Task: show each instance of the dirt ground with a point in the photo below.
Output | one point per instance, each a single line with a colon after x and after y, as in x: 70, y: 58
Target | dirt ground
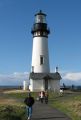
x: 4, y: 99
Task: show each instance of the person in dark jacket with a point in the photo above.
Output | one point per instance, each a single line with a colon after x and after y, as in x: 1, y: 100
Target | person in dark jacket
x: 46, y: 97
x: 29, y: 101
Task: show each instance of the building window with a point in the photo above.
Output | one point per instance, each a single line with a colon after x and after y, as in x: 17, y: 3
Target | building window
x: 45, y: 33
x: 41, y: 60
x: 38, y: 33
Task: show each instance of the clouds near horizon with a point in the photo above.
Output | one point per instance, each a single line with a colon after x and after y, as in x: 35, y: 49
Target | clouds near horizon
x: 17, y: 78
x: 74, y: 76
x: 71, y: 78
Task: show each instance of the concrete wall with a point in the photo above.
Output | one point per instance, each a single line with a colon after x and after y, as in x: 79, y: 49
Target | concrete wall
x: 54, y: 85
x: 40, y: 47
x: 38, y: 85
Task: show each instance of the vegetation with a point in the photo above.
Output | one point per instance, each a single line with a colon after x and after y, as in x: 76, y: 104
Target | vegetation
x: 20, y: 95
x: 69, y: 103
x: 12, y: 106
x: 10, y: 112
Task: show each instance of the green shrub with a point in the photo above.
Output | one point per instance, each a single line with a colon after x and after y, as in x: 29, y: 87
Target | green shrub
x: 12, y: 113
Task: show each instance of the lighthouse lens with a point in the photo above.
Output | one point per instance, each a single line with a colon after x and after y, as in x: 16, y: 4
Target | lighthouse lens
x: 40, y: 19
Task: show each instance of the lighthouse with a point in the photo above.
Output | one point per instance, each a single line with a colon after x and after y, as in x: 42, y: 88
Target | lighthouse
x: 40, y: 56
x: 40, y: 76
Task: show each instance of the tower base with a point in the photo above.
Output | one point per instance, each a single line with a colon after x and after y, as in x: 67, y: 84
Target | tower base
x: 43, y: 82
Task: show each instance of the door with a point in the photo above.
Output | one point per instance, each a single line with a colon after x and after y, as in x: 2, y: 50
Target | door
x: 46, y: 84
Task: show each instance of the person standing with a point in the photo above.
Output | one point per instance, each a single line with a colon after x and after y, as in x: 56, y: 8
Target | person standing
x: 29, y: 101
x: 46, y: 97
x: 42, y: 96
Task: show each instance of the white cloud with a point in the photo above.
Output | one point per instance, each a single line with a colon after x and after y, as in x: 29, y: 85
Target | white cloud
x: 17, y: 78
x: 14, y: 79
x: 72, y: 76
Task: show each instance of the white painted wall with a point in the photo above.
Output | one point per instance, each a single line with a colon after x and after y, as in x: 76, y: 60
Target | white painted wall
x: 40, y: 47
x: 24, y: 85
x: 55, y: 85
x: 36, y: 85
x: 31, y: 85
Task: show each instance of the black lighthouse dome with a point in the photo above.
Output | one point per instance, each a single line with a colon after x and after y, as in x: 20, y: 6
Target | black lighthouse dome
x: 40, y: 26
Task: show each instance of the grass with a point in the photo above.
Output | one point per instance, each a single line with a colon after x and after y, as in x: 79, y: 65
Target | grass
x: 70, y: 104
x: 12, y: 106
x: 21, y: 95
x: 11, y: 112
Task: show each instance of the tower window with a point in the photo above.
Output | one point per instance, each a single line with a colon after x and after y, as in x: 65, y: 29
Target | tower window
x: 38, y: 33
x: 44, y: 33
x: 41, y: 60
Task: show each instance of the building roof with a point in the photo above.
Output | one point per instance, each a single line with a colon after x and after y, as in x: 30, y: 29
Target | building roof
x: 39, y: 76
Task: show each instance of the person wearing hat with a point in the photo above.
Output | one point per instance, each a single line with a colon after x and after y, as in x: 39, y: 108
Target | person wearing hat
x: 29, y: 101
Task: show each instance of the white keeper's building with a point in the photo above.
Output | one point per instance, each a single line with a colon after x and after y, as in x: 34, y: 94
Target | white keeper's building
x: 40, y: 77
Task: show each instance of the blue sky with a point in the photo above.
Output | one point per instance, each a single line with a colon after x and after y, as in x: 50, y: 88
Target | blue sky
x: 16, y: 20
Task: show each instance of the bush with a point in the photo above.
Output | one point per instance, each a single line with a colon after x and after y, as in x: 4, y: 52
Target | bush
x: 12, y: 113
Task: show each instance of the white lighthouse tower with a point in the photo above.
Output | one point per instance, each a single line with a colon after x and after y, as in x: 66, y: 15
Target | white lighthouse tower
x: 40, y: 76
x: 40, y: 56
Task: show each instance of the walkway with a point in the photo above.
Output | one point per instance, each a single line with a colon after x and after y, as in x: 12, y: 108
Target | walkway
x: 41, y: 111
